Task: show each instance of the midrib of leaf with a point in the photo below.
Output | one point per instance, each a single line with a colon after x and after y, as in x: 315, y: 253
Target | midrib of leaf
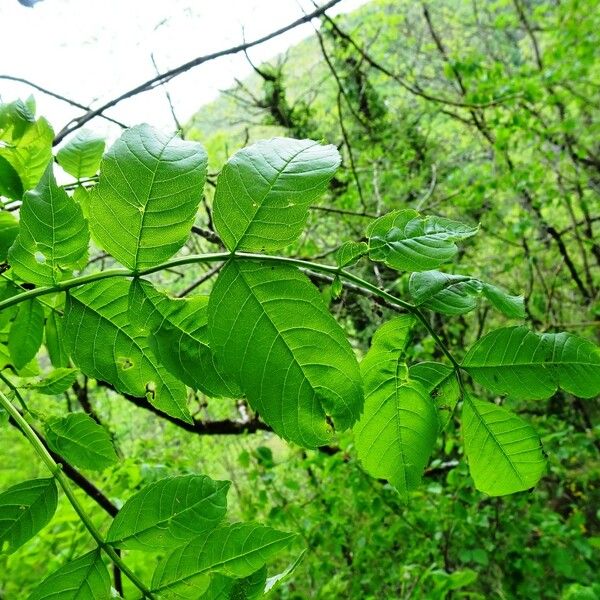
x: 154, y: 171
x: 24, y: 514
x: 491, y: 434
x: 218, y: 565
x: 397, y: 387
x: 260, y: 205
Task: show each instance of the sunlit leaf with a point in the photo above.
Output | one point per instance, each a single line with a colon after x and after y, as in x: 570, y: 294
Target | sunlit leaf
x: 81, y: 155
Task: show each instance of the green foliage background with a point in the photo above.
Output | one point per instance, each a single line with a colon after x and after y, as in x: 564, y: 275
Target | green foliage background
x: 492, y: 117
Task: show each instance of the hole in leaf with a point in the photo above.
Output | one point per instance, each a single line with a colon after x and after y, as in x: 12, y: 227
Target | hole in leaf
x: 125, y: 363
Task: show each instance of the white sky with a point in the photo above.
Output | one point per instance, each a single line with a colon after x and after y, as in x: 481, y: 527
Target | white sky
x: 91, y: 51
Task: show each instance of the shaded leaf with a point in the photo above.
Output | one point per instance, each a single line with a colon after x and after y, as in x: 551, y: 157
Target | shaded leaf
x: 504, y: 452
x: 82, y: 441
x: 397, y: 431
x: 406, y: 241
x: 10, y: 182
x: 458, y: 294
x: 169, y: 512
x: 54, y: 339
x: 53, y: 235
x: 178, y: 334
x: 26, y: 332
x: 150, y: 186
x: 81, y: 155
x: 271, y: 330
x: 440, y: 381
x: 9, y: 229
x: 57, y: 382
x: 25, y: 509
x: 350, y: 252
x: 85, y: 578
x: 264, y: 192
x: 105, y: 345
x: 532, y: 366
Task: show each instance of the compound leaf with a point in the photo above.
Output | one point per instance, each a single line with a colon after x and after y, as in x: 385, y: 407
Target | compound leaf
x: 236, y: 551
x: 105, y: 345
x: 82, y: 441
x: 169, y: 512
x: 531, y: 366
x: 270, y: 330
x: 265, y: 190
x: 504, y: 452
x: 53, y: 235
x: 82, y: 154
x: 144, y: 205
x: 25, y: 509
x: 85, y: 578
x: 406, y: 241
x: 396, y: 434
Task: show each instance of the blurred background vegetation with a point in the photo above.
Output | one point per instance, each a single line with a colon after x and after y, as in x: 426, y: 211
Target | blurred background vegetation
x: 484, y: 111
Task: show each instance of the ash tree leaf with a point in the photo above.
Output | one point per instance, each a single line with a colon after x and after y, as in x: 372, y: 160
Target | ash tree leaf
x: 264, y: 192
x: 57, y: 382
x: 105, y: 345
x: 53, y: 235
x: 504, y: 452
x: 407, y: 241
x: 25, y: 509
x: 440, y: 382
x: 85, y: 578
x: 82, y: 441
x: 178, y: 335
x: 10, y: 182
x: 169, y: 512
x: 9, y: 229
x: 27, y: 142
x: 271, y: 330
x: 273, y: 582
x: 349, y: 253
x: 26, y: 332
x: 458, y: 294
x: 397, y: 431
x: 228, y: 588
x: 236, y: 551
x: 82, y: 154
x: 531, y: 366
x: 145, y: 202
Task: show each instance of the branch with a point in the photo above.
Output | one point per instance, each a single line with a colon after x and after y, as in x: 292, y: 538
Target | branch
x: 168, y: 75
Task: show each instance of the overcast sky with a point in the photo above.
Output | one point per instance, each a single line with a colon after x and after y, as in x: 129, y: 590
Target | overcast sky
x: 91, y: 51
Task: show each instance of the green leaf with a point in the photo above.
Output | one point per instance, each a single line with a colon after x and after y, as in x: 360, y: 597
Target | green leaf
x: 144, y: 205
x: 57, y: 382
x: 54, y: 339
x: 237, y: 550
x: 457, y: 294
x: 85, y: 578
x: 169, y: 512
x: 227, y: 588
x: 105, y: 345
x: 82, y: 441
x: 178, y: 335
x: 53, y: 235
x: 406, y: 241
x: 275, y: 581
x: 9, y: 229
x: 264, y: 192
x: 10, y: 182
x: 397, y: 431
x: 27, y: 143
x: 504, y: 452
x: 440, y: 382
x: 25, y: 509
x: 81, y: 155
x: 26, y: 332
x: 271, y: 330
x: 349, y: 253
x: 531, y: 366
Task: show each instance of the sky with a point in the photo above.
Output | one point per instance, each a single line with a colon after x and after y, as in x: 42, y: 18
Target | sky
x: 91, y: 51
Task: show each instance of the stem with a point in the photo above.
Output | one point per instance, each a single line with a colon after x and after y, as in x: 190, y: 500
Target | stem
x: 223, y: 256
x: 57, y: 472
